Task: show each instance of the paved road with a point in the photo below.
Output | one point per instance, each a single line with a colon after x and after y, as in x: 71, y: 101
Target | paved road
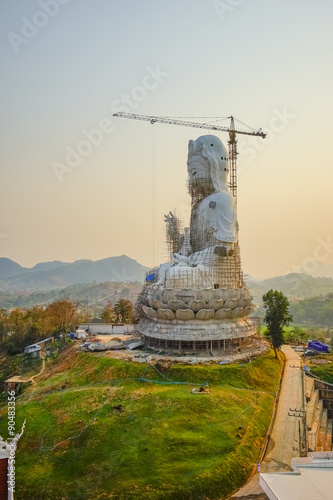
x: 283, y: 444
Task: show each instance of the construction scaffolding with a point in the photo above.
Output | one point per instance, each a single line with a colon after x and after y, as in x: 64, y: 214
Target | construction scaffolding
x: 174, y: 234
x: 192, y: 346
x: 212, y: 263
x: 218, y: 271
x: 199, y: 189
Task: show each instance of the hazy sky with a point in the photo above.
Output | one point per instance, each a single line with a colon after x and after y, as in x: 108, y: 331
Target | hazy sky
x: 67, y: 65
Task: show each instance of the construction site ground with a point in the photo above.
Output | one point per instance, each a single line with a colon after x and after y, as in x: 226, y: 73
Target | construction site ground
x: 244, y: 354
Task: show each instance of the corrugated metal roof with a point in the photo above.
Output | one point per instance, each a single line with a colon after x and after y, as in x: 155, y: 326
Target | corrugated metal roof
x: 40, y: 342
x: 32, y: 348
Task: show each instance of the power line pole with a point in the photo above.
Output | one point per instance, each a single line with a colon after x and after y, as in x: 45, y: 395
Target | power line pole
x: 301, y: 438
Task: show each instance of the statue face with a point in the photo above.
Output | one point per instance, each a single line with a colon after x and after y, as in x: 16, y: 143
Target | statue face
x: 207, y: 164
x: 198, y: 168
x: 199, y: 175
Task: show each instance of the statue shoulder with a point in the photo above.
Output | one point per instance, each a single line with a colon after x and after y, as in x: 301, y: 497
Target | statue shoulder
x: 218, y: 199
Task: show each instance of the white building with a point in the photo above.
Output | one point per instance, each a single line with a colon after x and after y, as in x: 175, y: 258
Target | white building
x: 80, y: 333
x: 311, y: 479
x: 33, y: 350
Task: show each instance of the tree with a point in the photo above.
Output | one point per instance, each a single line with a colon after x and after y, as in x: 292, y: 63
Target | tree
x: 61, y: 316
x: 124, y: 311
x: 108, y: 313
x: 35, y: 324
x: 277, y: 316
x: 16, y: 326
x: 3, y: 325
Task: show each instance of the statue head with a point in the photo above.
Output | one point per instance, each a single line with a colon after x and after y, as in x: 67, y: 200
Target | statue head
x: 207, y: 165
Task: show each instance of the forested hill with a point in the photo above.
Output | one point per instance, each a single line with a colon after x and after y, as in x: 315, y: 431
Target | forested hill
x: 294, y: 286
x: 318, y: 311
x: 56, y: 275
x: 93, y: 294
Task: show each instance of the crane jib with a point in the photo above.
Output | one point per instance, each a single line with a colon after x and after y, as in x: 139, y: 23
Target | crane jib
x: 171, y: 121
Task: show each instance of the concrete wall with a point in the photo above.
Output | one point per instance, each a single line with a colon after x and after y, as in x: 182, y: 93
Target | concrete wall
x: 107, y: 328
x: 326, y: 394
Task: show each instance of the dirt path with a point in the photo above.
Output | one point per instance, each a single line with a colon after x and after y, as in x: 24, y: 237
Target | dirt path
x: 32, y: 379
x: 284, y: 438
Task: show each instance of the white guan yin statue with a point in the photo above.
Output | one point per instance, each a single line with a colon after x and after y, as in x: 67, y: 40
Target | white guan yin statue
x: 214, y: 219
x: 203, y: 282
x: 213, y: 228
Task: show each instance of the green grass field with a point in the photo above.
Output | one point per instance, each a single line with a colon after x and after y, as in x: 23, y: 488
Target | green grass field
x: 323, y: 371
x: 125, y: 438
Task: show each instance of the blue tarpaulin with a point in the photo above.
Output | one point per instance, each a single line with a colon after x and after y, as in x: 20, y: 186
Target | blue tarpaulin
x: 318, y: 346
x: 150, y: 277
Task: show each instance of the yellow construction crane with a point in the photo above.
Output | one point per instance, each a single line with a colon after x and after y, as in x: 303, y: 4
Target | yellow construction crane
x: 232, y: 143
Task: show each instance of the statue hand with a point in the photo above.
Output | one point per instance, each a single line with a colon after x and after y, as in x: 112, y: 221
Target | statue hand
x: 170, y: 218
x: 179, y: 259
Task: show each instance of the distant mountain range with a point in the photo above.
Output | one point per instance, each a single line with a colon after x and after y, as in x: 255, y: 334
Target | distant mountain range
x: 89, y: 281
x: 55, y: 275
x: 322, y: 270
x: 294, y: 286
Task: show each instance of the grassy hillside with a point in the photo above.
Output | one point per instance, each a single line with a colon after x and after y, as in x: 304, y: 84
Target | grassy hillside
x: 322, y: 367
x: 96, y: 430
x: 325, y: 372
